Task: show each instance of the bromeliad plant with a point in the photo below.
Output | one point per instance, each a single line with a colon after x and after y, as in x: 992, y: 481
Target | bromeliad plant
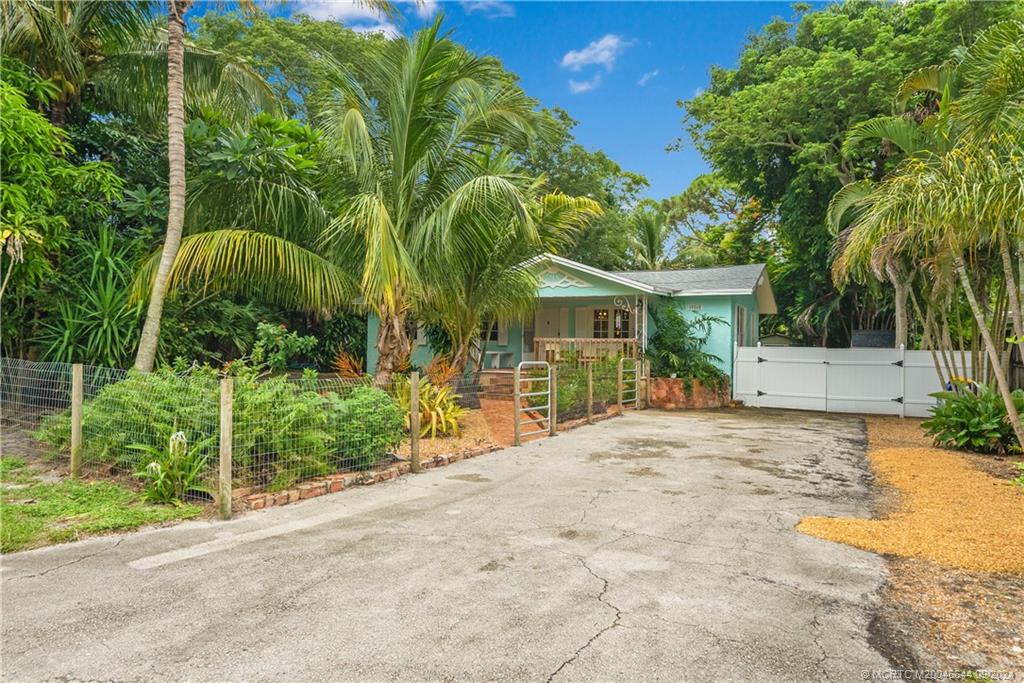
x: 439, y: 408
x: 973, y: 418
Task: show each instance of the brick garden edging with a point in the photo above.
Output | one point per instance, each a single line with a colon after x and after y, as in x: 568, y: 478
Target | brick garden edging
x: 334, y: 483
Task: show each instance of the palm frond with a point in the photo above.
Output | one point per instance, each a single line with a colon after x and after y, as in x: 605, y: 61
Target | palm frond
x: 267, y: 267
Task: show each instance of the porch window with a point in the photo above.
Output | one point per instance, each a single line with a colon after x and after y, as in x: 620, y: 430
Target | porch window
x: 601, y: 323
x: 622, y: 324
x: 489, y: 330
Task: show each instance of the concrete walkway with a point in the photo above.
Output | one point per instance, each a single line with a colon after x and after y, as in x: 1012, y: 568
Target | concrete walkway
x: 652, y: 546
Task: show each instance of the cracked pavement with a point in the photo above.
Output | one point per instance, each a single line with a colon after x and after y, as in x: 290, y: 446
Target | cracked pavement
x: 652, y: 546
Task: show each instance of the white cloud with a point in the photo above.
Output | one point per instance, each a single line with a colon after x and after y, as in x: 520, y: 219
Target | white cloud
x: 603, y: 51
x: 357, y: 16
x: 577, y: 87
x: 492, y: 9
x: 340, y: 10
x: 385, y: 28
x: 425, y: 9
x: 647, y: 77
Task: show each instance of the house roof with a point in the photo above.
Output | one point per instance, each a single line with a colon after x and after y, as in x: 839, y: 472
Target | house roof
x: 723, y: 280
x: 720, y: 280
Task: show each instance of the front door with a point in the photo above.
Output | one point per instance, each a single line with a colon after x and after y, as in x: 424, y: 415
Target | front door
x: 547, y: 323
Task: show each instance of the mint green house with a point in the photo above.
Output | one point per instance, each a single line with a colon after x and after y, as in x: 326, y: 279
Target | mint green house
x: 589, y: 313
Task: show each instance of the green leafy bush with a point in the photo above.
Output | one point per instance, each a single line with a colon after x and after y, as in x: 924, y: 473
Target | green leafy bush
x: 366, y: 425
x: 677, y: 347
x: 139, y: 409
x: 971, y: 421
x: 284, y: 430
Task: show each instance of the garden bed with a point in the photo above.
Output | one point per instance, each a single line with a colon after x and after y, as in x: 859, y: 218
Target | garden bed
x: 952, y: 530
x: 671, y: 393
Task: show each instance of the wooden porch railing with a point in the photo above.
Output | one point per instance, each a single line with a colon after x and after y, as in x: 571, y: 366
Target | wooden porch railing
x: 553, y: 349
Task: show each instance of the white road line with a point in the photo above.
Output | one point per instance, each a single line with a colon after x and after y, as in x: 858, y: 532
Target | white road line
x: 226, y: 543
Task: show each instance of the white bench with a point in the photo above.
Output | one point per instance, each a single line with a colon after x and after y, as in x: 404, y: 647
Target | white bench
x: 493, y: 359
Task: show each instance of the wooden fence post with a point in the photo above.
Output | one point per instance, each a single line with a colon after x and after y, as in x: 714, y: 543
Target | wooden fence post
x: 227, y: 392
x: 618, y: 383
x: 590, y: 392
x: 553, y: 400
x: 516, y: 400
x: 647, y: 383
x: 414, y: 421
x: 77, y: 398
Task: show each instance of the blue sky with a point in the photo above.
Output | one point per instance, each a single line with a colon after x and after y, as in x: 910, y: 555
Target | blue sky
x: 617, y: 67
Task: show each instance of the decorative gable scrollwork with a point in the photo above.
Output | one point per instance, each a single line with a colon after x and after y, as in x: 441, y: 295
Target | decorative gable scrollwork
x: 557, y: 279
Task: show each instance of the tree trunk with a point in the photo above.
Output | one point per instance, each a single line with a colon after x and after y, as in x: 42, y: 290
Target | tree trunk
x: 1016, y: 314
x: 901, y: 289
x: 993, y: 353
x: 393, y: 347
x: 176, y: 9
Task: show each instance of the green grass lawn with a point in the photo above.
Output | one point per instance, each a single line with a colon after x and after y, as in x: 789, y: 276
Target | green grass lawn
x: 35, y: 513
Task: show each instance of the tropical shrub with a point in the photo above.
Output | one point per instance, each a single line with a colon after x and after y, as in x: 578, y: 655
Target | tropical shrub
x: 348, y: 366
x: 365, y: 425
x: 173, y: 473
x: 284, y: 429
x: 275, y: 346
x: 677, y: 347
x: 973, y: 418
x: 440, y: 371
x: 139, y: 409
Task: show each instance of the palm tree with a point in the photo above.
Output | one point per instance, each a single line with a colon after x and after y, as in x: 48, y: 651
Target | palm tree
x: 65, y: 41
x: 259, y: 94
x: 408, y: 134
x: 651, y: 232
x: 958, y: 194
x: 491, y: 278
x: 416, y: 198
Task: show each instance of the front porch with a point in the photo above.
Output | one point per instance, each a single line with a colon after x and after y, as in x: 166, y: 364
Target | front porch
x: 582, y: 349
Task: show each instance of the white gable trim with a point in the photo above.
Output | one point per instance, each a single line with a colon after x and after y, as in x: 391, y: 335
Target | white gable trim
x: 596, y: 272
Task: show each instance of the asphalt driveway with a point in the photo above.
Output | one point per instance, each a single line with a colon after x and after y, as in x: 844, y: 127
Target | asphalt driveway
x: 652, y: 546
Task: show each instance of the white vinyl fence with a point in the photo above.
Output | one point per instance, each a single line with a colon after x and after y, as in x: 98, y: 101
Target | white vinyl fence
x: 877, y: 381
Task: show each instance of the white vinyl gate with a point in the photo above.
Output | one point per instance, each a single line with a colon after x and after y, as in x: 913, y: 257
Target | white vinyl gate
x: 877, y: 381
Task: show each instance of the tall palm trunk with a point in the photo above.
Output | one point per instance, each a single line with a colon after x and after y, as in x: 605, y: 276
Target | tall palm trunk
x: 990, y: 348
x: 393, y: 346
x: 1016, y: 314
x: 901, y: 287
x: 146, y: 355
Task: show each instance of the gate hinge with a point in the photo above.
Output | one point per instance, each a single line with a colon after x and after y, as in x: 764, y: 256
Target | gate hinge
x: 898, y: 399
x: 762, y: 393
x: 761, y: 360
x: 898, y: 363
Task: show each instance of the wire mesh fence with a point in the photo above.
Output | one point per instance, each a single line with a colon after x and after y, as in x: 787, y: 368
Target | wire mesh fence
x: 289, y: 429
x: 168, y: 425
x: 31, y: 391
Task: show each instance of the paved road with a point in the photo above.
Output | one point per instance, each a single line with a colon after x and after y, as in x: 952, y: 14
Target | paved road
x: 652, y: 546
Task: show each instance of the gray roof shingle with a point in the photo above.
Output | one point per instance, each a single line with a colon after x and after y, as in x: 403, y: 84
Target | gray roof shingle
x: 699, y: 280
